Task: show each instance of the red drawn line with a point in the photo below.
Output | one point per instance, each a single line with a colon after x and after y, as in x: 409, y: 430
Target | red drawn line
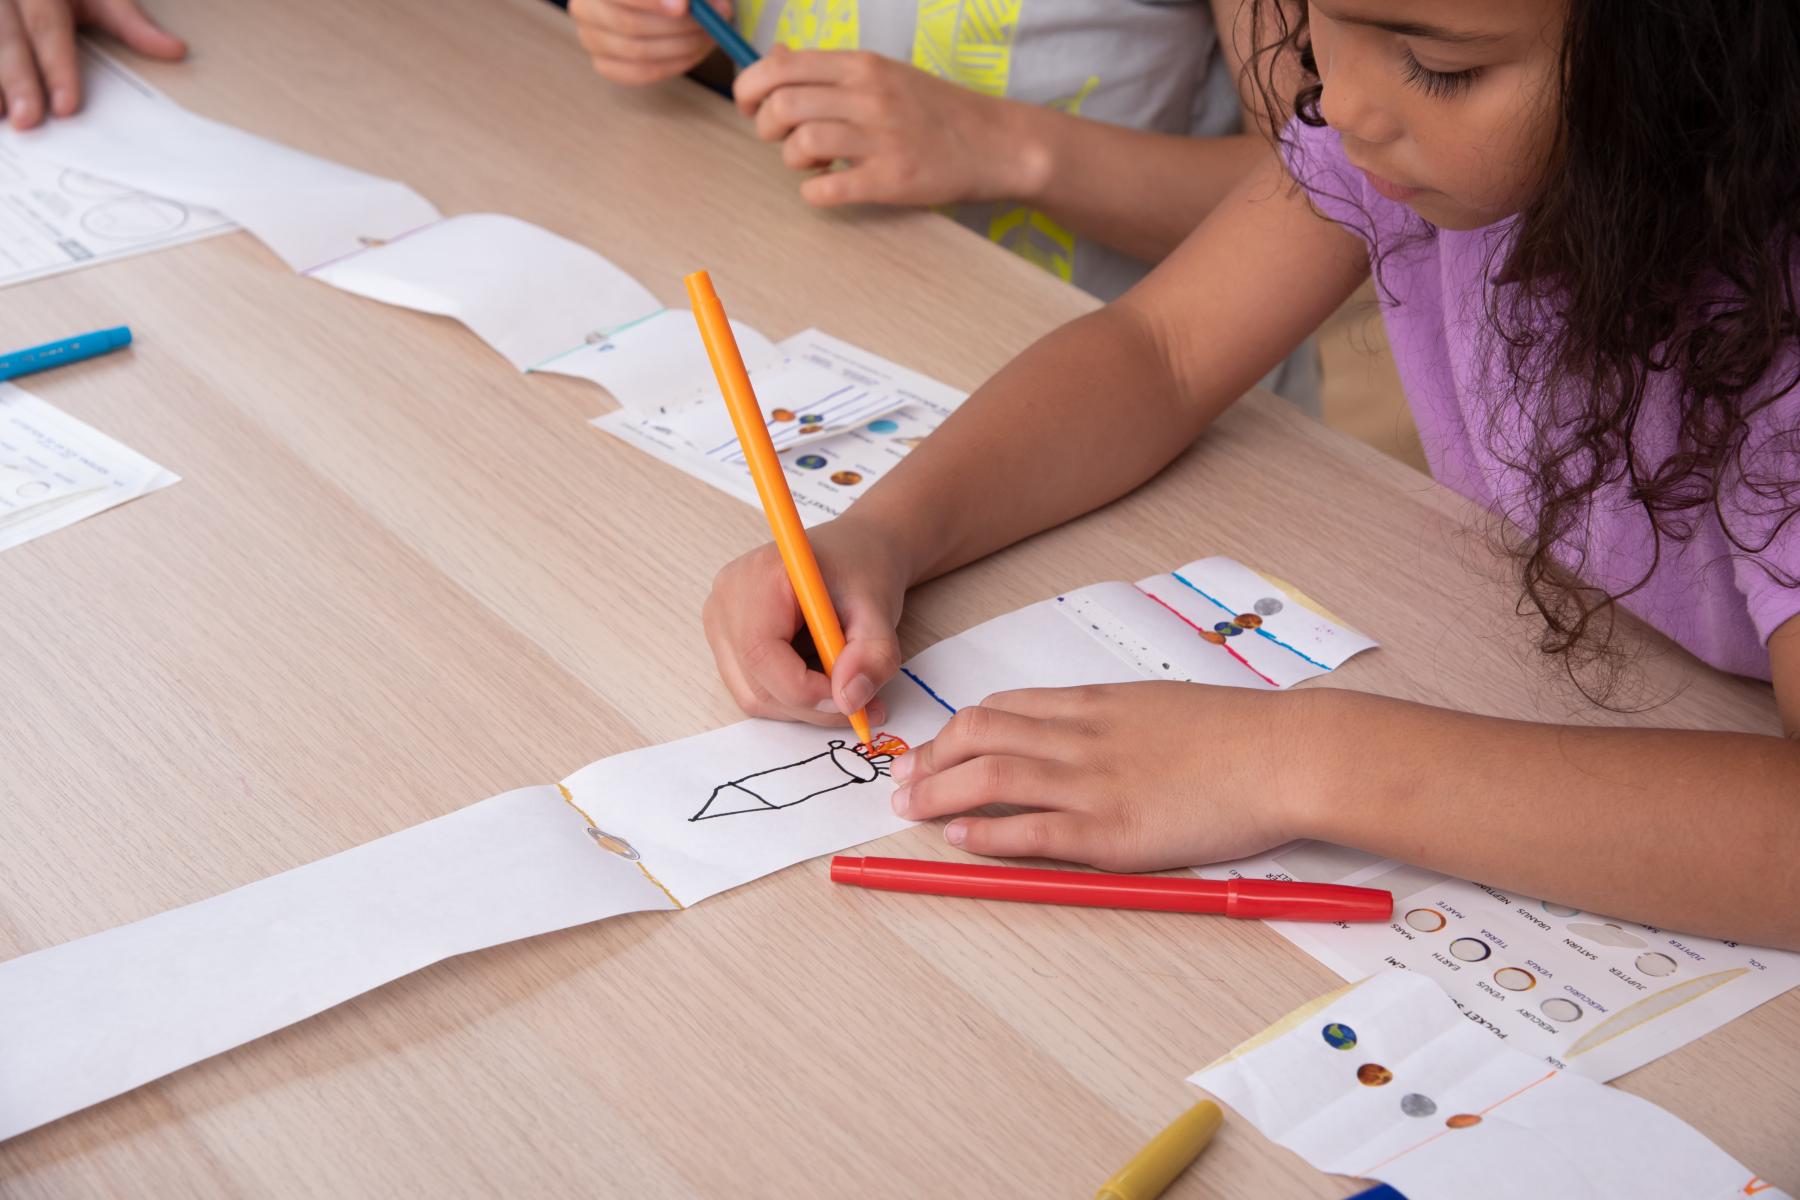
x: 1369, y: 1172
x: 1502, y: 1100
x: 1221, y: 645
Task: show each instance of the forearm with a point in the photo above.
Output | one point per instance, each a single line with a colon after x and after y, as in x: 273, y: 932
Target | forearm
x: 1691, y: 831
x: 1103, y: 403
x: 1082, y: 417
x: 1138, y: 193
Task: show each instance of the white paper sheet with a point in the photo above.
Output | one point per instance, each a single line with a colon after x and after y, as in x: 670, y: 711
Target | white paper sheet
x: 54, y: 219
x: 658, y: 364
x: 96, y: 1017
x: 307, y: 210
x: 652, y: 828
x: 1387, y: 1080
x: 840, y: 418
x: 54, y: 470
x: 526, y: 292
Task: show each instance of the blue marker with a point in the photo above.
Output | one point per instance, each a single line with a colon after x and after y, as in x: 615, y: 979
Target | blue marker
x: 719, y: 29
x: 69, y: 350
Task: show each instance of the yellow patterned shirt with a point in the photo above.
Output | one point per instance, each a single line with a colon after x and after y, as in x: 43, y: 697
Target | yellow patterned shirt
x: 1149, y: 66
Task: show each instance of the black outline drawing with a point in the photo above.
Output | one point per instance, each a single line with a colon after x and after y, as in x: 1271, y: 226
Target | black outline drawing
x: 839, y: 765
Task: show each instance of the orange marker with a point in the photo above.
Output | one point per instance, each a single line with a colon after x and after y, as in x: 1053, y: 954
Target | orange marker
x: 771, y: 483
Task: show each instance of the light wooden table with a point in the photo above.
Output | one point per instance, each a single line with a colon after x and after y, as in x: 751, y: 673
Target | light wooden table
x: 399, y: 577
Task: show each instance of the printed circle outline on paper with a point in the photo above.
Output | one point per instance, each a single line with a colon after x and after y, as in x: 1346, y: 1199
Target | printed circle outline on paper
x: 1469, y: 949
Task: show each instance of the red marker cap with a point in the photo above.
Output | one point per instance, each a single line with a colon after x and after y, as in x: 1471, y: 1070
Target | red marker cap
x: 1254, y: 899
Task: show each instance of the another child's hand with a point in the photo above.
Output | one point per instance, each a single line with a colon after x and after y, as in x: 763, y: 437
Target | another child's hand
x: 1128, y: 777
x: 909, y: 137
x: 40, y: 68
x: 751, y: 620
x: 642, y: 41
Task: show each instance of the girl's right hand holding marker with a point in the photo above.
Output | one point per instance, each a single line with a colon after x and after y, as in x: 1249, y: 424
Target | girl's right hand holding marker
x: 752, y: 619
x: 642, y: 41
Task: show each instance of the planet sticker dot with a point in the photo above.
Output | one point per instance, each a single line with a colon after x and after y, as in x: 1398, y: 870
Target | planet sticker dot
x: 811, y: 419
x: 1217, y: 639
x: 1415, y: 1105
x: 1463, y: 1121
x: 1268, y: 606
x: 812, y: 429
x: 846, y: 478
x: 1248, y: 620
x: 1228, y: 629
x: 781, y: 414
x: 883, y: 426
x: 1373, y: 1075
x: 811, y: 462
x: 1339, y: 1037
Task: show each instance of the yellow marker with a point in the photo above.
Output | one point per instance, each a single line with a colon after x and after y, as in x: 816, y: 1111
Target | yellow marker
x: 1155, y: 1167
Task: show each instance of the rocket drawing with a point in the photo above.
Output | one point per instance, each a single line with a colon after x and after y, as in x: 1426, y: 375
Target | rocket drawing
x: 838, y: 766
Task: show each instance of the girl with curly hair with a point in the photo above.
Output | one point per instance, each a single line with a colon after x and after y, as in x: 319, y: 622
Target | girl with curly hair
x: 1581, y: 220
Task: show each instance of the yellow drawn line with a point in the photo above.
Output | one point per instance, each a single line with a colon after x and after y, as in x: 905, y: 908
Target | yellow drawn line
x: 569, y: 799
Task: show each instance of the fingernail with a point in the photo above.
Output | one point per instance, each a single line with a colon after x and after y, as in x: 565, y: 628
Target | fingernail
x: 902, y: 796
x: 827, y: 705
x: 858, y: 692
x: 955, y: 832
x: 902, y: 770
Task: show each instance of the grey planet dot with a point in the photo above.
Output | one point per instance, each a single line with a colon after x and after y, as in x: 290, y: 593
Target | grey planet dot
x: 1268, y: 606
x: 1415, y: 1105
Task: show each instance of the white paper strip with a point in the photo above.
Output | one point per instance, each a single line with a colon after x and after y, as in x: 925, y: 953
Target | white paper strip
x: 659, y: 363
x: 647, y: 829
x: 526, y: 292
x: 96, y: 1017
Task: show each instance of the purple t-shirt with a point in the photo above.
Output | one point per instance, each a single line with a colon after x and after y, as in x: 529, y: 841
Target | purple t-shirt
x: 1716, y: 600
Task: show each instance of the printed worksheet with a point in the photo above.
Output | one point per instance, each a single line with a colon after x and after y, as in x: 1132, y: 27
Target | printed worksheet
x: 55, y: 470
x: 1592, y: 993
x: 55, y: 219
x: 1386, y: 1080
x: 839, y: 416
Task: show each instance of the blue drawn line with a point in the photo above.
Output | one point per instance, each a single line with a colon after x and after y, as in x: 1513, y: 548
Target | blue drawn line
x: 928, y: 690
x: 1181, y: 579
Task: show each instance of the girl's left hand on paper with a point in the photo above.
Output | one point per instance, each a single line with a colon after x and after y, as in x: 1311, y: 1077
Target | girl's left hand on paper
x: 1126, y: 777
x: 40, y: 67
x: 908, y: 137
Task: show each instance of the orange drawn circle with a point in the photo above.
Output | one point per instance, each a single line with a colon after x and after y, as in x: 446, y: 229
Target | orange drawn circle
x: 1463, y: 1121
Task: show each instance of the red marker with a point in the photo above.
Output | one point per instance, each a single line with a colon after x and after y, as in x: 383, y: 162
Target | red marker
x: 1257, y: 899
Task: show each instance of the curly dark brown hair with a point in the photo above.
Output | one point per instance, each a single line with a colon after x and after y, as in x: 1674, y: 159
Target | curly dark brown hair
x: 1661, y: 243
